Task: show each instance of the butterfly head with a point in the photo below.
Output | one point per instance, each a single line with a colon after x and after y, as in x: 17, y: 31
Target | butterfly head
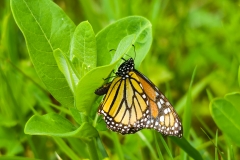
x: 125, y: 68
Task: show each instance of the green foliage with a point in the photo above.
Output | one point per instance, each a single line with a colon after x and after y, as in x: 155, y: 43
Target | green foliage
x: 109, y: 38
x: 50, y: 68
x: 46, y: 28
x: 83, y: 48
x: 84, y: 97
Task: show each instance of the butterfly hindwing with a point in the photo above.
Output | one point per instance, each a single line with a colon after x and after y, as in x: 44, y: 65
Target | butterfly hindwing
x: 163, y: 117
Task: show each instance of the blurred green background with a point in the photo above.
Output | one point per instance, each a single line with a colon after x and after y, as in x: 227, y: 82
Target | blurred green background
x: 186, y: 34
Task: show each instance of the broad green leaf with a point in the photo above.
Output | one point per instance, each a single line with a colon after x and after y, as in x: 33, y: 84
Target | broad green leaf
x: 56, y: 125
x: 234, y: 98
x: 83, y: 47
x: 85, y: 96
x: 45, y: 28
x: 110, y: 37
x: 66, y: 68
x: 226, y: 116
x: 49, y: 124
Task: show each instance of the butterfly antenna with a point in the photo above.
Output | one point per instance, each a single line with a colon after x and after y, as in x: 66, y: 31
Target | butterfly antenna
x: 124, y: 59
x: 112, y: 50
x: 126, y: 55
x: 134, y: 51
x: 130, y: 56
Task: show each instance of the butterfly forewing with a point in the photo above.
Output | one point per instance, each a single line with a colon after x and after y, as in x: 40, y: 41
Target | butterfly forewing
x: 125, y: 111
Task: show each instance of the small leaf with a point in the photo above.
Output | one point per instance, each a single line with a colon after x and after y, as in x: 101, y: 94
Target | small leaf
x: 50, y: 124
x: 45, y: 28
x: 66, y: 68
x: 226, y: 116
x: 109, y: 38
x: 85, y: 96
x: 83, y: 47
x: 56, y: 125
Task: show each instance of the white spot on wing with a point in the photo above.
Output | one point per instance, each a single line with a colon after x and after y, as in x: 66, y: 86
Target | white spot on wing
x: 161, y: 118
x: 169, y: 110
x: 166, y: 111
x: 159, y: 105
x: 176, y: 125
x: 161, y: 100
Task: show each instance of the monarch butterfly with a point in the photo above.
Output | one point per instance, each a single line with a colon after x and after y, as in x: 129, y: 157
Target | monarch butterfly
x: 132, y: 102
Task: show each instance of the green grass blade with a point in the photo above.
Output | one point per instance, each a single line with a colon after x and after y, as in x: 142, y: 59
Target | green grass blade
x: 216, y: 146
x: 187, y: 116
x: 187, y: 147
x: 65, y: 148
x: 166, y: 147
x: 145, y: 140
x: 117, y: 146
x: 188, y: 109
x: 158, y: 148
